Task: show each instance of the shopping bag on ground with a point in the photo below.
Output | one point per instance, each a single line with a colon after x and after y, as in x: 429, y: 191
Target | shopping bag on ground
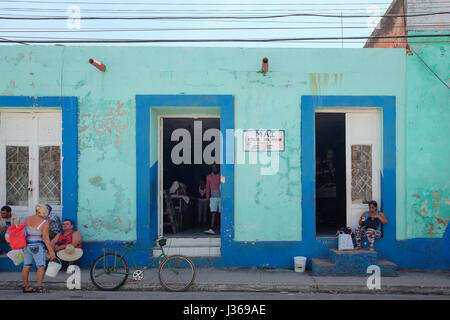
x: 16, y: 256
x: 345, y: 242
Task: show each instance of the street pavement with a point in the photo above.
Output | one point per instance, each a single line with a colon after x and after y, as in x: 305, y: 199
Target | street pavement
x: 264, y: 280
x: 197, y: 296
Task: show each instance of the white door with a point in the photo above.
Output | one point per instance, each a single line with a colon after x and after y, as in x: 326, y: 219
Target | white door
x: 30, y: 160
x: 362, y: 163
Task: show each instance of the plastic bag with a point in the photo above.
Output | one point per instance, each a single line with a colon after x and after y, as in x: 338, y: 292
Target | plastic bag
x: 345, y: 242
x: 16, y: 256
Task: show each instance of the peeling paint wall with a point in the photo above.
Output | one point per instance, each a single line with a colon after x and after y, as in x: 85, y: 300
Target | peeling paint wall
x: 428, y: 144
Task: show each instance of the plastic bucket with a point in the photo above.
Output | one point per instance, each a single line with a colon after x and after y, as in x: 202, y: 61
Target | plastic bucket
x: 299, y: 264
x: 53, y: 268
x: 16, y: 256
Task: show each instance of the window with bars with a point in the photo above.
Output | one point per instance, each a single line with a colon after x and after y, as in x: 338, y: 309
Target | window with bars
x: 361, y: 173
x: 17, y: 172
x: 50, y: 174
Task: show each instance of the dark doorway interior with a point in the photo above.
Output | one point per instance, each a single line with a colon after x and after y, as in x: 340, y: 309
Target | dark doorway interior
x: 330, y: 173
x: 189, y: 175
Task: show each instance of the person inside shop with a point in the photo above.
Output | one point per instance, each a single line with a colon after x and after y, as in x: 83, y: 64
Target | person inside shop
x: 213, y: 195
x: 202, y: 202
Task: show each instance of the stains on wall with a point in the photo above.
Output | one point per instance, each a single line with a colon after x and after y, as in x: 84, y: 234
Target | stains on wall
x: 80, y: 84
x: 431, y: 212
x: 9, y: 90
x: 320, y: 81
x: 98, y: 182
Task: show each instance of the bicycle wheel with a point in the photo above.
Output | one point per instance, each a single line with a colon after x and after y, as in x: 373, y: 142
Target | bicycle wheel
x: 177, y: 273
x: 109, y: 272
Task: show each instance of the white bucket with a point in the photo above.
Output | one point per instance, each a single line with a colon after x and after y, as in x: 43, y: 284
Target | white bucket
x: 16, y: 256
x: 52, y: 269
x: 299, y: 264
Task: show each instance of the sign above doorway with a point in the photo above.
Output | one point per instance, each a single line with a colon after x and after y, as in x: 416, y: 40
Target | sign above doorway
x: 264, y: 140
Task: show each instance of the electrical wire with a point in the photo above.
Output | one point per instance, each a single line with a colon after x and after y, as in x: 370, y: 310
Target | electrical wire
x: 33, y: 30
x: 225, y: 17
x: 106, y: 10
x: 429, y: 68
x: 199, y: 4
x: 228, y: 40
x: 251, y: 10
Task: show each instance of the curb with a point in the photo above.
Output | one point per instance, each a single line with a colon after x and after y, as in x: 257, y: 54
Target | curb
x: 281, y: 288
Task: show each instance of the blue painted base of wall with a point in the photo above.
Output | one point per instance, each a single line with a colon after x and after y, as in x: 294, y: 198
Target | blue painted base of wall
x: 427, y: 254
x: 7, y: 265
x: 351, y: 262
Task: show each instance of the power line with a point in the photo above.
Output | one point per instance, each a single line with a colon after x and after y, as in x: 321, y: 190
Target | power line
x: 325, y: 40
x: 192, y: 29
x: 200, y: 4
x: 230, y: 40
x: 226, y: 17
x: 429, y: 68
x: 186, y: 10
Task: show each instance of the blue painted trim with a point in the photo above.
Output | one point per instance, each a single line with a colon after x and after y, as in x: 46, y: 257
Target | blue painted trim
x: 388, y: 181
x: 147, y: 176
x: 69, y: 107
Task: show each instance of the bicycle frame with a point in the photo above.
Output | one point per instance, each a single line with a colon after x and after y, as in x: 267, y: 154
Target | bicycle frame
x: 130, y: 250
x: 116, y: 265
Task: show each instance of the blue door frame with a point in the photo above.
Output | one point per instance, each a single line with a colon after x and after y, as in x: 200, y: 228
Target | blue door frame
x: 147, y: 173
x: 388, y: 177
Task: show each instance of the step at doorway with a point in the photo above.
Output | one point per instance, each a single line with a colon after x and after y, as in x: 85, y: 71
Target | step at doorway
x: 192, y: 247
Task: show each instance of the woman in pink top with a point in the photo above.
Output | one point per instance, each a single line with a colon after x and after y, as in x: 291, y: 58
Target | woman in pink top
x: 213, y: 194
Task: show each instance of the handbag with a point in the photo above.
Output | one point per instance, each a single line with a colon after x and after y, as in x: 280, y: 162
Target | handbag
x: 345, y: 242
x: 17, y: 236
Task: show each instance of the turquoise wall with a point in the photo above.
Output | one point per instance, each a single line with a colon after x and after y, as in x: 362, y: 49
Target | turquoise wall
x: 267, y: 207
x: 428, y: 144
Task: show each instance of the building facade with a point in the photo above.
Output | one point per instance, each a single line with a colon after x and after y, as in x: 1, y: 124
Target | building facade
x: 93, y: 145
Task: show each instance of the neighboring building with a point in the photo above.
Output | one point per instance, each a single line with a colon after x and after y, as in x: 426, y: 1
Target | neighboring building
x: 348, y: 125
x: 392, y: 24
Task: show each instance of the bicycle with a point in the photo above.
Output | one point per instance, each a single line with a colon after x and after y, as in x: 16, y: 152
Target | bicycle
x: 110, y: 271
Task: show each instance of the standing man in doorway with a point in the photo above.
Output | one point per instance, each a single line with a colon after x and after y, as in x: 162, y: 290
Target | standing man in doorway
x: 213, y: 195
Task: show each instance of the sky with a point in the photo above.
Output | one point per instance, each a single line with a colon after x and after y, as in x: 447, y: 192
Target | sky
x: 245, y: 20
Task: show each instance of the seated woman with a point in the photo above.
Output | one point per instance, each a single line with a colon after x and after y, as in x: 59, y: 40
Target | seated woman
x: 370, y: 225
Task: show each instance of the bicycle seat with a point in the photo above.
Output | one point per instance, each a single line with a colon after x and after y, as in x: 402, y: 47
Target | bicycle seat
x: 129, y: 243
x: 161, y: 241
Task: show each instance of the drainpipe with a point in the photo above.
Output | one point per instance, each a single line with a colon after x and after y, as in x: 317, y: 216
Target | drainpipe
x: 100, y: 66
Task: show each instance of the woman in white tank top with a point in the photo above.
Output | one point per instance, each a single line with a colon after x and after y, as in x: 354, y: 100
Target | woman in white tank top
x: 37, y: 242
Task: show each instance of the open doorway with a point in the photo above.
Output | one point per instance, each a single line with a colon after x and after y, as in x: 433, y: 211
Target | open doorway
x: 330, y: 172
x: 184, y: 213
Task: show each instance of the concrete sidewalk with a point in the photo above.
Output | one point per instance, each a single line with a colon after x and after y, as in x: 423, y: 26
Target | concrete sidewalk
x: 263, y: 280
